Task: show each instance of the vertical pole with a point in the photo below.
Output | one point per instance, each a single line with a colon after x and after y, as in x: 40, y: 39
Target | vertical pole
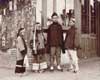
x: 65, y: 9
x: 77, y: 7
x: 54, y: 5
x: 44, y: 13
x: 65, y: 4
x: 33, y: 4
x: 89, y: 17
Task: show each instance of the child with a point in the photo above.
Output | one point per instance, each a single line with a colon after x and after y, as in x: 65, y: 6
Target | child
x: 71, y: 46
x: 38, y: 49
x: 21, y: 52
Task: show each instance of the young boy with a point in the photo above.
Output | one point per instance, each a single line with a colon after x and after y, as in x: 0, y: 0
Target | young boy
x: 55, y: 42
x: 71, y: 47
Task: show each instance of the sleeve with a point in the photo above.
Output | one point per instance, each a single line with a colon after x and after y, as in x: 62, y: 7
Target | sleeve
x: 48, y: 35
x: 20, y: 44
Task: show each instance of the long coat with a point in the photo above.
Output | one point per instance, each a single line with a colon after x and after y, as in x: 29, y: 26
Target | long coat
x: 20, y: 47
x: 41, y: 40
x: 70, y: 38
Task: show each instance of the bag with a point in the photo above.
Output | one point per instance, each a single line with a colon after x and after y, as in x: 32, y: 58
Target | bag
x: 65, y: 58
x: 26, y: 61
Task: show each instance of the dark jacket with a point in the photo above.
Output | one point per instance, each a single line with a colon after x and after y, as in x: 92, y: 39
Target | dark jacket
x: 70, y: 38
x: 55, y: 35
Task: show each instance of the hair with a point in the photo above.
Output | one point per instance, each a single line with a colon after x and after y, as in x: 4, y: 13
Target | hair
x: 19, y: 31
x: 54, y: 14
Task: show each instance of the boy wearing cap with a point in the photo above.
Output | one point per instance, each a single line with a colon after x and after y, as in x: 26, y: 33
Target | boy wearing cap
x: 55, y: 42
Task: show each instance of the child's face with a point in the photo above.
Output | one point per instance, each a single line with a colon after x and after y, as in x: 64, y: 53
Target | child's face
x: 55, y: 18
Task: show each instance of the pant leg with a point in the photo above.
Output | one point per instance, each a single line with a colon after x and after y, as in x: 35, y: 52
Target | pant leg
x: 69, y: 59
x: 58, y: 55
x: 52, y: 55
x: 74, y: 57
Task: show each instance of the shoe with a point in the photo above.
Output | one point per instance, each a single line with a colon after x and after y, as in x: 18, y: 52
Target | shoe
x: 51, y: 68
x: 59, y: 68
x: 75, y: 71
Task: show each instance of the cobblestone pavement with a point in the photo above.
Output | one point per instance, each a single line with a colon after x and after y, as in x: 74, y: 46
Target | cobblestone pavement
x: 89, y: 70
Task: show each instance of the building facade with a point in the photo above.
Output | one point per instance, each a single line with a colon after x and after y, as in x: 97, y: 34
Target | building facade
x: 23, y: 13
x: 18, y: 13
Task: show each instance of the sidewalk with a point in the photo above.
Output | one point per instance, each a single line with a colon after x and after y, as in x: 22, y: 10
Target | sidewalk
x: 89, y: 70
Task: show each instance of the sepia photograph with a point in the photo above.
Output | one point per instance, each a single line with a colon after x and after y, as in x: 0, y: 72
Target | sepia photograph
x: 49, y: 39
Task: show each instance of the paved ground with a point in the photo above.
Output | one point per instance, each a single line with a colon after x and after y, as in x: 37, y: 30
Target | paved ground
x: 89, y: 70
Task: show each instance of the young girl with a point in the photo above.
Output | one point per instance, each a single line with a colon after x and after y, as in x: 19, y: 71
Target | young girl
x: 38, y: 49
x: 21, y: 52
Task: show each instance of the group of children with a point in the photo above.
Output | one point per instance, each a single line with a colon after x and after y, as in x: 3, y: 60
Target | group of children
x: 67, y: 46
x: 54, y: 45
